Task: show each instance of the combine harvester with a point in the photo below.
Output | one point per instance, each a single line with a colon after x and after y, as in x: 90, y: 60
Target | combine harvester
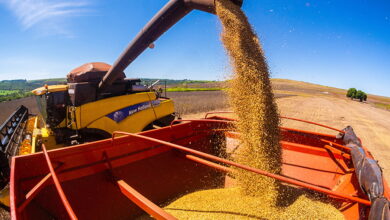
x: 88, y: 108
x: 131, y: 174
x: 79, y: 112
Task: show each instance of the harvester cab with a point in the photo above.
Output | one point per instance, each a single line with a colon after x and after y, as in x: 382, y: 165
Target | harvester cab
x: 52, y: 102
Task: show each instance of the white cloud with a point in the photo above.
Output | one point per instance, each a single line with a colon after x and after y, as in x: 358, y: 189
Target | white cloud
x: 51, y: 16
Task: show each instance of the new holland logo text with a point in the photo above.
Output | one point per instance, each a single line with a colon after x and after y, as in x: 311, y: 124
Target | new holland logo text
x: 130, y: 110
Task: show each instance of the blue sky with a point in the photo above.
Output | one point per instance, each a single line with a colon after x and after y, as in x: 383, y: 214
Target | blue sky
x: 336, y: 43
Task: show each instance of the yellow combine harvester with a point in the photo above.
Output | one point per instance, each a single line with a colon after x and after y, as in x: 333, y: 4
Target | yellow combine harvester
x: 82, y: 111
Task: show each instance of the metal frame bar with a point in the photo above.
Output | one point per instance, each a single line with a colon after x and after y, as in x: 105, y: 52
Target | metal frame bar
x: 290, y: 118
x: 34, y: 191
x: 198, y: 120
x: 331, y: 143
x: 42, y: 183
x: 221, y: 112
x: 57, y: 184
x: 319, y: 139
x: 330, y: 147
x: 313, y: 123
x: 251, y: 169
x: 226, y: 169
x: 335, y: 151
x: 142, y: 202
x: 330, y: 150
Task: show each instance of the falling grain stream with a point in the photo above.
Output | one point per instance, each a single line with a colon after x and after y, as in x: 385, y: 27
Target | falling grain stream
x: 251, y: 98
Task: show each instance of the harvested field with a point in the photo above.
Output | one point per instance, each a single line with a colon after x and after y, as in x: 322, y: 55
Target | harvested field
x: 286, y: 86
x: 203, y: 101
x: 7, y: 108
x: 198, y: 101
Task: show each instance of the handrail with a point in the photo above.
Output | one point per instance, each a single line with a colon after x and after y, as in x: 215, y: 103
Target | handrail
x: 251, y: 169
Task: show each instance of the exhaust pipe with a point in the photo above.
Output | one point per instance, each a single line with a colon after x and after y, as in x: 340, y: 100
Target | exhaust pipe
x: 169, y: 15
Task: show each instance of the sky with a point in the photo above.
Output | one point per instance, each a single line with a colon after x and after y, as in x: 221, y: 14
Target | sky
x: 343, y: 43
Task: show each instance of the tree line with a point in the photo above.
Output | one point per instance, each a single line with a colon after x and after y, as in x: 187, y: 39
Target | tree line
x: 356, y: 94
x: 22, y: 88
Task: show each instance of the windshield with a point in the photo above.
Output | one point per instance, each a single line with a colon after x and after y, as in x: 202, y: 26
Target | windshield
x: 56, y: 107
x: 52, y: 107
x: 41, y: 103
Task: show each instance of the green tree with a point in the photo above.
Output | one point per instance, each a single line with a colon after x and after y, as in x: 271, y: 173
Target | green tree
x: 359, y: 95
x: 364, y: 96
x: 356, y: 94
x: 351, y: 93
